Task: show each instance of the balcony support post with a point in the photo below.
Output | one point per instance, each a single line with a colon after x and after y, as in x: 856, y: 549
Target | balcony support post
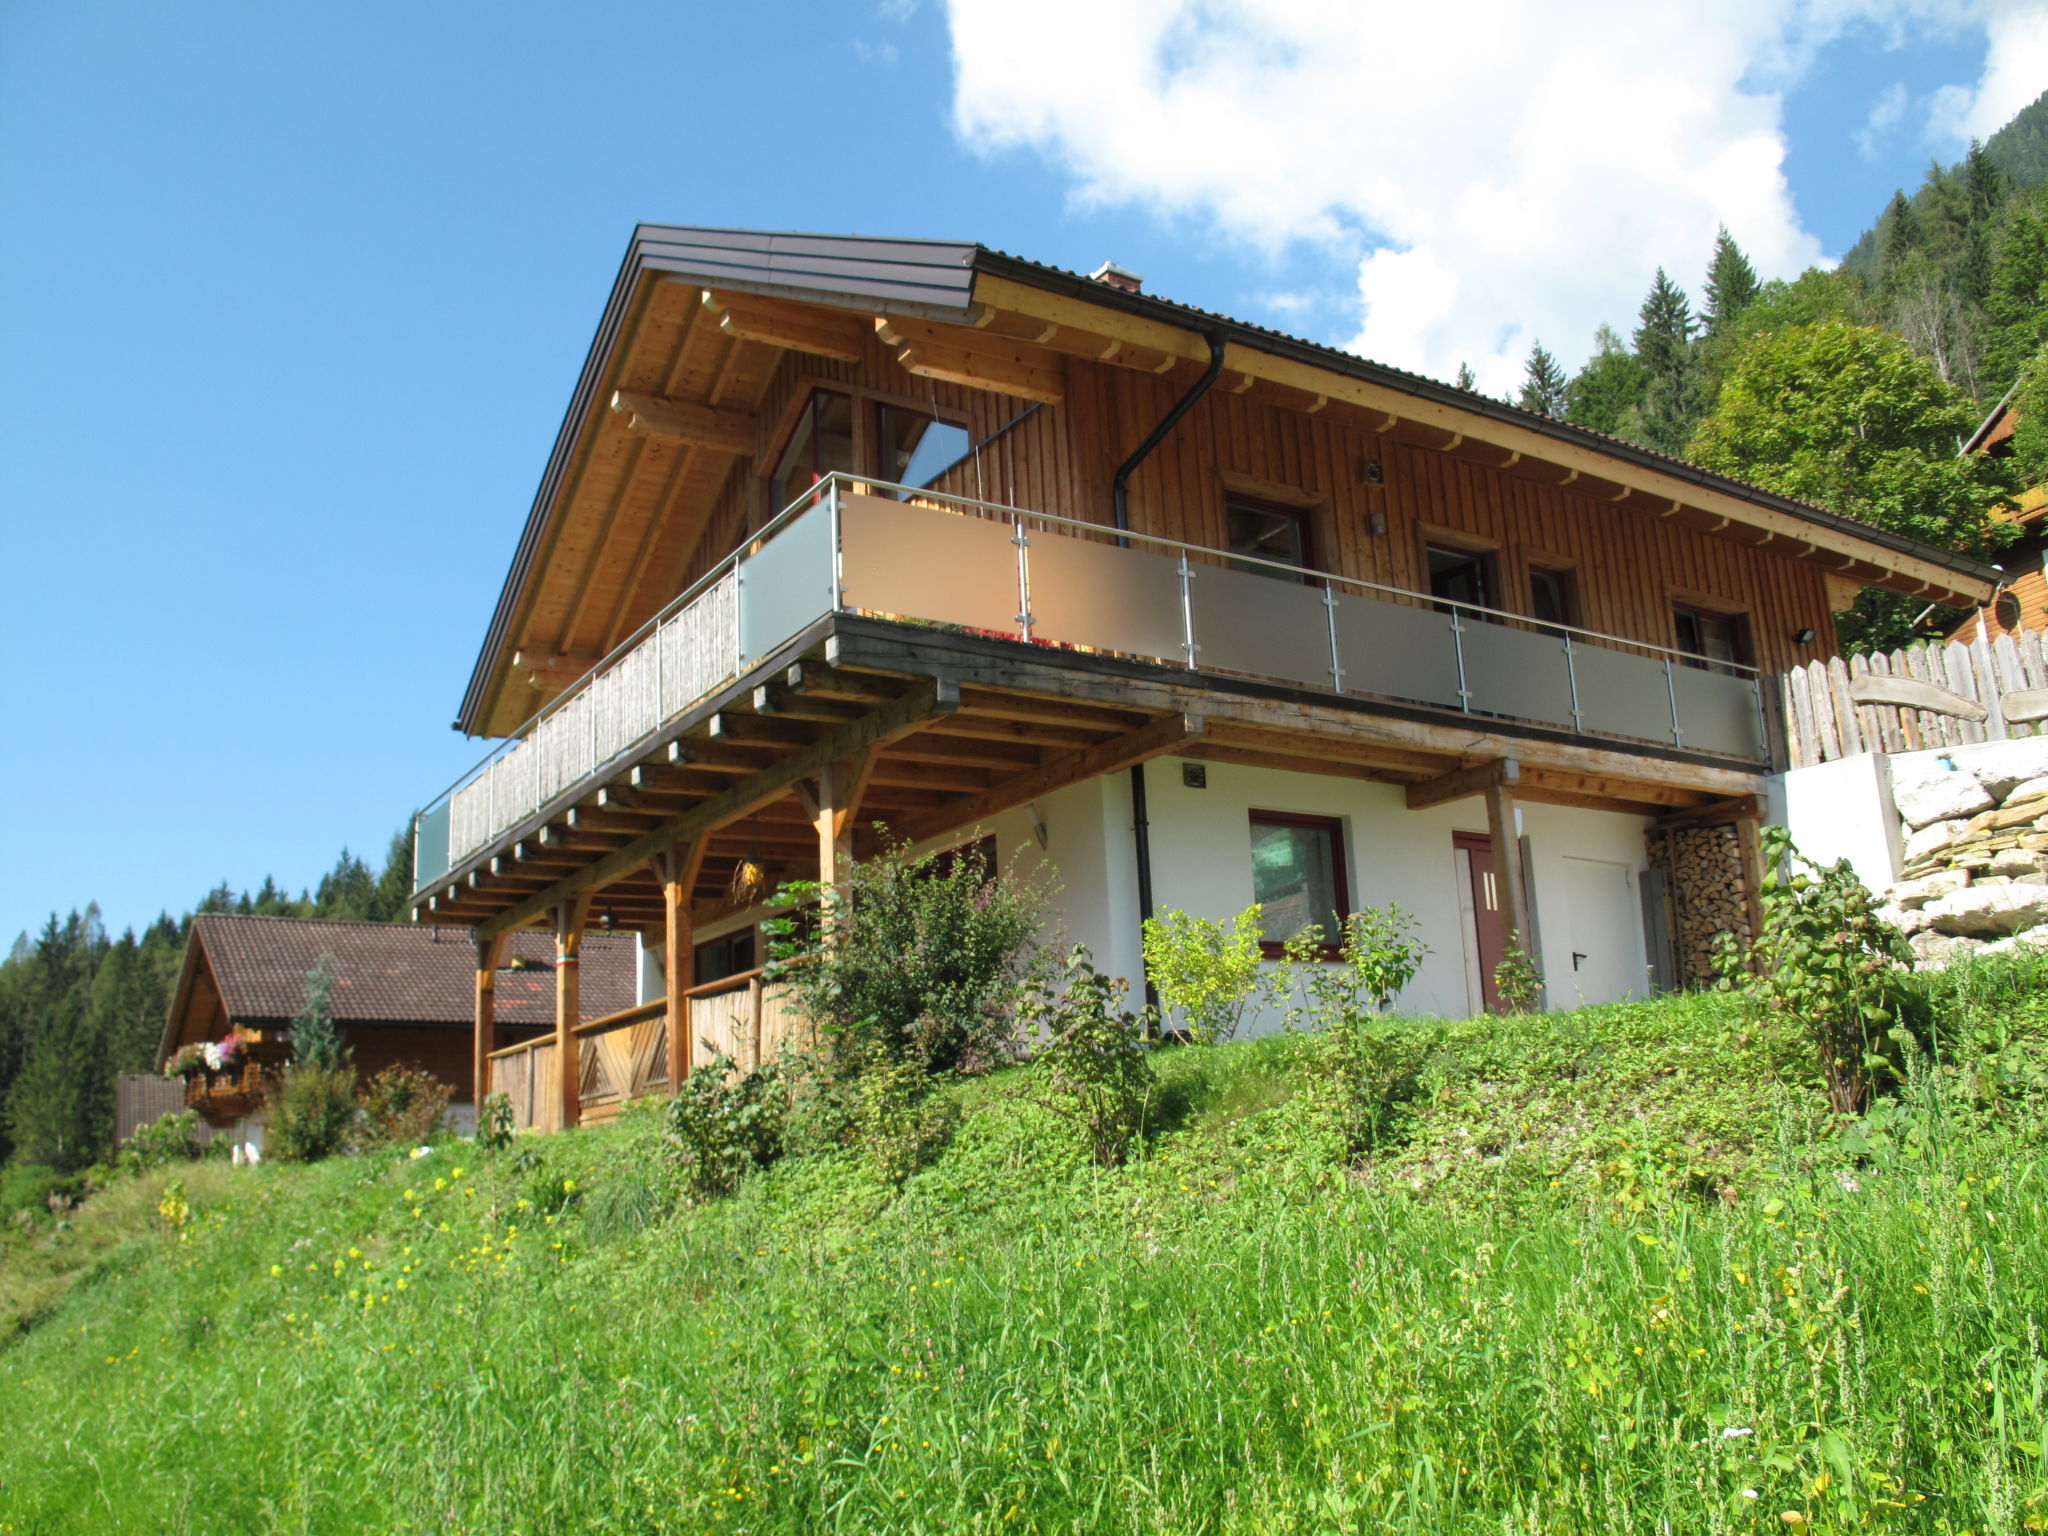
x: 490, y: 952
x: 831, y: 800
x: 678, y: 869
x: 1749, y: 848
x: 1507, y: 860
x: 569, y: 920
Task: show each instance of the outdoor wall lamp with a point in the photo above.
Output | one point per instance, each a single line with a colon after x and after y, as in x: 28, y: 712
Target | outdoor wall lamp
x: 1803, y: 637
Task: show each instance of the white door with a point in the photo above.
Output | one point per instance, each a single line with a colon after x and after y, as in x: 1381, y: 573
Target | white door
x: 1603, y: 926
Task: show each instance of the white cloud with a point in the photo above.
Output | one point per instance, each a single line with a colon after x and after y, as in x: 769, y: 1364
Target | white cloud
x: 1500, y: 171
x: 1886, y: 115
x: 2015, y: 72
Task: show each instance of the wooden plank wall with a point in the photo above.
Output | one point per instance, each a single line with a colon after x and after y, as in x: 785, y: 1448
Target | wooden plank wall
x: 1629, y: 568
x: 1823, y: 723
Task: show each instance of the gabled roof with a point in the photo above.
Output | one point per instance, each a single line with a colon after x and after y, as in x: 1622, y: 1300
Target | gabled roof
x: 937, y: 280
x: 388, y: 973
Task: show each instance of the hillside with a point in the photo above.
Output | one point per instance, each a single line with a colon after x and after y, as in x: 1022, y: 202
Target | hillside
x: 1608, y: 1270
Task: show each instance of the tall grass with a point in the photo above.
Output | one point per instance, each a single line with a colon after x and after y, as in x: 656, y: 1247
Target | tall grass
x: 1223, y: 1337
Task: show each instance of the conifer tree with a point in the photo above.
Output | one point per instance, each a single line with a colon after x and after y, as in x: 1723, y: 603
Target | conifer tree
x: 1543, y: 383
x: 1663, y: 343
x: 316, y: 1045
x: 1731, y: 284
x: 1466, y: 380
x: 2016, y: 305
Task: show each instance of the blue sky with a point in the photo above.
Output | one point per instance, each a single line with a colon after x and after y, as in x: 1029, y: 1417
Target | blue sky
x: 295, y: 297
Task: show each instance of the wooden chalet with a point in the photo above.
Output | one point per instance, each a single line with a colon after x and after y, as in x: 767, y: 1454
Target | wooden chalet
x: 401, y: 995
x: 2020, y: 602
x: 843, y: 531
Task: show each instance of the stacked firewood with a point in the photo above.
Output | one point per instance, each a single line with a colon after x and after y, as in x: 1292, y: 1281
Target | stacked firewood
x: 1703, y: 872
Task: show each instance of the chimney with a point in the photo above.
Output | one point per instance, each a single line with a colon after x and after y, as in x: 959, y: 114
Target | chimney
x: 1109, y: 272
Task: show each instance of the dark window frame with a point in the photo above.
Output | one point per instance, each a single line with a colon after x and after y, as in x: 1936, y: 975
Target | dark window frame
x: 1304, y: 525
x: 1567, y: 586
x: 1695, y: 656
x: 1340, y: 884
x: 806, y: 416
x: 879, y: 408
x: 1487, y: 561
x: 724, y: 944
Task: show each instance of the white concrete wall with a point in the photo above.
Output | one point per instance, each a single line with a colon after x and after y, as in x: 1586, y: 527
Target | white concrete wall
x: 1842, y: 810
x: 1201, y: 864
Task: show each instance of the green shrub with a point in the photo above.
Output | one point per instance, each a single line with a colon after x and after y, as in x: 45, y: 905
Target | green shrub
x: 1207, y: 973
x: 401, y: 1106
x: 312, y: 1114
x: 1826, y: 962
x: 170, y: 1138
x: 1091, y: 1066
x: 895, y: 1117
x: 925, y: 964
x: 36, y: 1188
x: 721, y: 1127
x: 495, y: 1126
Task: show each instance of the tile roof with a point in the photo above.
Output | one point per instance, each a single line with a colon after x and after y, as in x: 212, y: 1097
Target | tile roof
x: 399, y: 973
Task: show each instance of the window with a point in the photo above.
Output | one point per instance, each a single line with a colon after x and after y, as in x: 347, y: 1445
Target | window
x: 727, y: 955
x: 1267, y: 532
x: 1298, y: 876
x: 1711, y: 636
x: 1550, y: 596
x: 916, y: 449
x: 1460, y: 576
x: 819, y: 444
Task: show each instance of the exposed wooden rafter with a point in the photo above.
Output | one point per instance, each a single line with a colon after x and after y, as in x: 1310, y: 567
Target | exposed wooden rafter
x: 682, y: 421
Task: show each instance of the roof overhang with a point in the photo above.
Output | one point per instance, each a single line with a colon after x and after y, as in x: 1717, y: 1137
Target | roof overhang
x: 950, y: 282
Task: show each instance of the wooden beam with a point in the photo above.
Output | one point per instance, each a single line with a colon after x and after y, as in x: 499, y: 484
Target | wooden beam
x: 551, y: 670
x: 1120, y: 752
x: 490, y: 953
x: 793, y: 327
x: 1749, y: 849
x: 1464, y: 783
x: 678, y: 868
x: 684, y: 421
x: 907, y: 714
x: 1507, y: 861
x: 1719, y: 814
x: 984, y: 370
x: 570, y: 916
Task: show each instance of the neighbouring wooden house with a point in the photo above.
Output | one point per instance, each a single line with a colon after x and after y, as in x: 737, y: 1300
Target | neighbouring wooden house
x: 843, y: 531
x: 400, y: 995
x: 2021, y: 600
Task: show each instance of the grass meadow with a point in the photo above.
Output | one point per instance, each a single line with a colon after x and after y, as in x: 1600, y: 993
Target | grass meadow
x: 1616, y: 1272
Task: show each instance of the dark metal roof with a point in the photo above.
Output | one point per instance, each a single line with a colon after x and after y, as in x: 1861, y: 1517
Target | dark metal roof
x: 935, y: 278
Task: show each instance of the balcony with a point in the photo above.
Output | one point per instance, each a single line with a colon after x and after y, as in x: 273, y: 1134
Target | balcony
x: 934, y: 560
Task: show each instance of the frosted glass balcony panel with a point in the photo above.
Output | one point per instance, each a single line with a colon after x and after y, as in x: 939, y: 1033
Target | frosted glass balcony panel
x: 1086, y: 592
x: 1518, y: 672
x: 1396, y: 651
x: 1245, y: 622
x: 916, y: 563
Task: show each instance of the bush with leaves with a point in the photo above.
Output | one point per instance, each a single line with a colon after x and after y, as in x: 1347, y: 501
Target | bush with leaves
x: 924, y: 964
x: 894, y: 1116
x: 313, y: 1111
x: 1207, y: 973
x: 495, y: 1126
x: 1362, y: 1067
x: 723, y: 1125
x: 1828, y: 964
x: 1091, y: 1065
x: 1516, y: 980
x: 171, y: 1138
x: 402, y: 1106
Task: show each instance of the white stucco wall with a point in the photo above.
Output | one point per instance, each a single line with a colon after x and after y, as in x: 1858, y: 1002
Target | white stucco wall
x: 1842, y: 810
x: 1201, y: 864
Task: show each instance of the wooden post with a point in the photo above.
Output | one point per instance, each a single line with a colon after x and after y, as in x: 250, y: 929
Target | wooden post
x: 489, y: 952
x: 1507, y: 861
x: 1749, y: 845
x: 831, y: 801
x: 678, y: 870
x: 569, y: 919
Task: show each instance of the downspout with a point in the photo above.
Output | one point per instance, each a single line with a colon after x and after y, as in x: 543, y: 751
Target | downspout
x: 1141, y: 823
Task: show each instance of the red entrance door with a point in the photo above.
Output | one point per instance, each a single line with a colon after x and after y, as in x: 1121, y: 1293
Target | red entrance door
x: 1477, y: 851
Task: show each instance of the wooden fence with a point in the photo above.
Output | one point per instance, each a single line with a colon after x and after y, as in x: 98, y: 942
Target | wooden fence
x: 1931, y: 695
x: 624, y: 1056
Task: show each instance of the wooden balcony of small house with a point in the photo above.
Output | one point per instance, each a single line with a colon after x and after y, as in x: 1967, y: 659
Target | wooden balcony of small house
x: 239, y: 1089
x: 891, y: 580
x: 624, y: 1056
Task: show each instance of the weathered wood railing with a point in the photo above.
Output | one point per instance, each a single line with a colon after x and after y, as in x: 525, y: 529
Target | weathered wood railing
x: 1931, y: 695
x: 624, y: 1056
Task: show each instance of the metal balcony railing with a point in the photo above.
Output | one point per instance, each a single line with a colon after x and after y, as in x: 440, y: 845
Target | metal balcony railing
x: 852, y: 545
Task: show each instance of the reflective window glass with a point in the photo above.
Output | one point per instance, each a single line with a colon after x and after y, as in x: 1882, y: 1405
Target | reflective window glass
x: 1297, y: 876
x: 917, y: 449
x: 1267, y: 533
x: 820, y: 444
